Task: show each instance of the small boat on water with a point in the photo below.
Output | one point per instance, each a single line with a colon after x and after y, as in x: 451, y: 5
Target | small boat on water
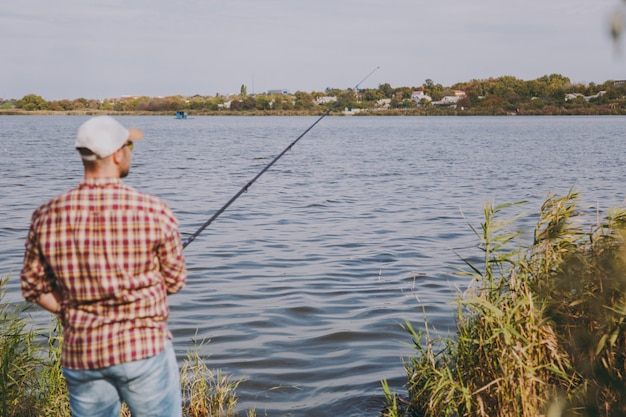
x: 181, y: 114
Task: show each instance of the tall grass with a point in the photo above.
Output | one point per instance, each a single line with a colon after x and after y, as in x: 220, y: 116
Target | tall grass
x: 541, y: 330
x: 32, y: 383
x: 52, y: 390
x: 207, y: 392
x: 18, y: 363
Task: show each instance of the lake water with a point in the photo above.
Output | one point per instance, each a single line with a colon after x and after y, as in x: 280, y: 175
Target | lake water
x: 301, y: 286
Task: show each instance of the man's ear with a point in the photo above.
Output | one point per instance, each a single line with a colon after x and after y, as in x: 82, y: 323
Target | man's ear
x: 117, y: 156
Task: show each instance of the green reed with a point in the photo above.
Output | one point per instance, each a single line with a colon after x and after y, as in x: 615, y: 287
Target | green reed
x: 18, y: 363
x: 53, y: 394
x: 540, y: 331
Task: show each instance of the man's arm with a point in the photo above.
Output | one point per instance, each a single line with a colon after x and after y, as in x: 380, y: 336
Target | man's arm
x: 50, y: 301
x: 170, y: 253
x: 37, y: 281
x: 172, y: 262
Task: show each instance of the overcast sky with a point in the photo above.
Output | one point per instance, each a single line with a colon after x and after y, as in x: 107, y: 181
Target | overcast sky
x: 109, y: 48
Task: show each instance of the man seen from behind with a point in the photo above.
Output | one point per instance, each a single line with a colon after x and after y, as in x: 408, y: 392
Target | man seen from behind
x: 103, y: 257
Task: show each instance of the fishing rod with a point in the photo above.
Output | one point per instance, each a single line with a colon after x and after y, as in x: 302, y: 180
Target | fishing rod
x: 244, y: 189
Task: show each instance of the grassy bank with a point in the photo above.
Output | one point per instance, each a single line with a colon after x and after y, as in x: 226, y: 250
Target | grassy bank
x: 32, y: 384
x: 540, y: 332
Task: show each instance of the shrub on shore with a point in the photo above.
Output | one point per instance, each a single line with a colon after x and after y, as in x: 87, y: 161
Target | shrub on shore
x: 540, y: 332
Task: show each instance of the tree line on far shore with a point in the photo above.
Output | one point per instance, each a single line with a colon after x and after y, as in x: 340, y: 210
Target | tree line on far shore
x: 549, y: 94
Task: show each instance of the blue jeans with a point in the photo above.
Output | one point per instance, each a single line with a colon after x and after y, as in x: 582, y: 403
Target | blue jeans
x: 150, y: 387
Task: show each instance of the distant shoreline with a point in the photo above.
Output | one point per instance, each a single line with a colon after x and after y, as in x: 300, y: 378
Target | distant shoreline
x: 393, y: 112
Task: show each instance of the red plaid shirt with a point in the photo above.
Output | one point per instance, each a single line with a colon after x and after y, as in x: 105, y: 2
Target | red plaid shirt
x: 115, y: 253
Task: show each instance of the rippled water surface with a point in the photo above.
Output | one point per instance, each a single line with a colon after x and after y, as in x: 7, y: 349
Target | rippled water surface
x: 301, y: 286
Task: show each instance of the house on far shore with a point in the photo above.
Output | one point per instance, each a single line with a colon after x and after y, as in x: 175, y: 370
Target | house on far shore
x: 383, y: 103
x: 420, y: 95
x: 450, y: 101
x: 574, y: 96
x: 325, y: 100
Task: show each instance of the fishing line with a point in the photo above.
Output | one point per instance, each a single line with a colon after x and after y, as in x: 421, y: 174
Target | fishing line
x: 244, y: 189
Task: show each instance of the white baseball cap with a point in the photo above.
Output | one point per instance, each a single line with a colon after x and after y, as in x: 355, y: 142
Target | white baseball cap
x: 103, y: 135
